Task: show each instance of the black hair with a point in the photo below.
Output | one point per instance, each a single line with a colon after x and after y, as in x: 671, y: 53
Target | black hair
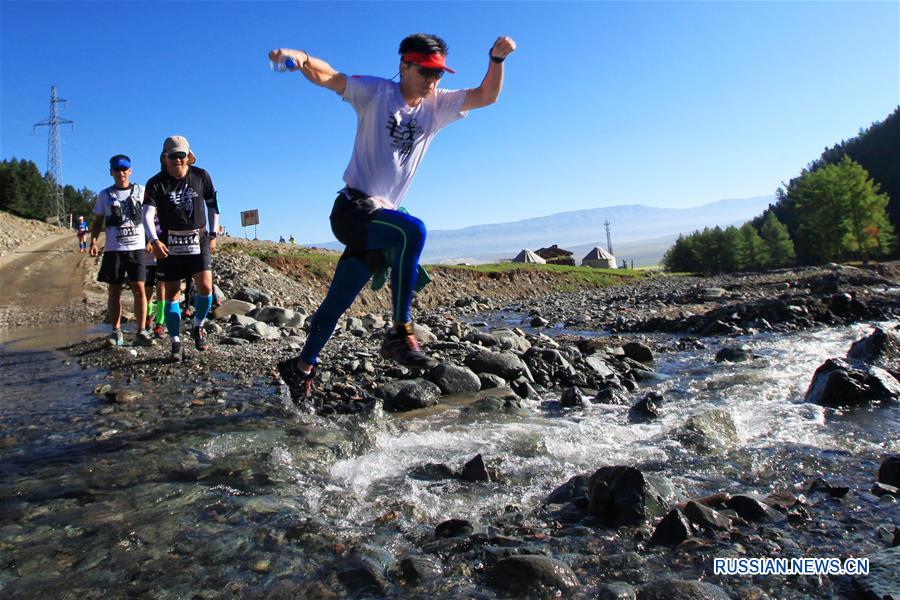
x: 426, y: 43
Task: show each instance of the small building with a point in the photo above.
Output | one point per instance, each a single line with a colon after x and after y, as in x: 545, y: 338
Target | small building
x: 599, y: 258
x: 527, y: 256
x: 555, y: 255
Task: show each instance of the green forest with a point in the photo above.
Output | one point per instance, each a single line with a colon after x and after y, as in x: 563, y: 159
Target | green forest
x: 843, y: 206
x: 24, y: 191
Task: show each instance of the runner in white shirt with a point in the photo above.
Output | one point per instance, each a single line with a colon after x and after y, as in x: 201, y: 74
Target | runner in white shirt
x: 396, y: 123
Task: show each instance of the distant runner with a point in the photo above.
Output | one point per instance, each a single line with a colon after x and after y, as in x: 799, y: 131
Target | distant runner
x: 81, y: 230
x: 119, y: 207
x: 396, y: 123
x: 184, y: 199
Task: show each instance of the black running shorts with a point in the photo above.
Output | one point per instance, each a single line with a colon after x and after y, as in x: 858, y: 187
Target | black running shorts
x: 124, y: 265
x: 175, y: 268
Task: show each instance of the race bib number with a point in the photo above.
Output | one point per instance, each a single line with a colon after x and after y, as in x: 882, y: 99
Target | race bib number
x: 126, y: 236
x: 184, y: 243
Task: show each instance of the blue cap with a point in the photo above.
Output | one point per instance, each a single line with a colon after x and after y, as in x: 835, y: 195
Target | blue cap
x: 120, y: 161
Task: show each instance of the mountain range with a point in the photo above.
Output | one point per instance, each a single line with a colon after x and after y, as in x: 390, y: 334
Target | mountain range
x: 639, y: 233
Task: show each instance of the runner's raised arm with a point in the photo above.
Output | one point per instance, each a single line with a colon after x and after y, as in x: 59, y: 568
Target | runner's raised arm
x: 314, y: 69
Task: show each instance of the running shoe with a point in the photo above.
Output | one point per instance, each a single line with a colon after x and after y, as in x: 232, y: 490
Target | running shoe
x: 143, y: 338
x: 199, y: 335
x: 177, y: 353
x: 298, y: 382
x: 402, y: 347
x: 116, y: 338
x: 158, y: 330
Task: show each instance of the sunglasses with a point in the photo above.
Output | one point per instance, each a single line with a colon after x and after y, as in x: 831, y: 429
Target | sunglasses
x: 120, y: 169
x: 177, y: 155
x: 430, y: 73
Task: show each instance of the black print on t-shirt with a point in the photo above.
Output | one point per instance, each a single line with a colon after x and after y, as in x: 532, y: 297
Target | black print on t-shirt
x: 183, y: 200
x: 404, y: 135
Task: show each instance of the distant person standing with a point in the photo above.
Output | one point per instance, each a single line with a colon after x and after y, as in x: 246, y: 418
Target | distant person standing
x: 119, y: 207
x: 184, y: 198
x: 81, y: 231
x: 396, y: 124
x: 292, y: 240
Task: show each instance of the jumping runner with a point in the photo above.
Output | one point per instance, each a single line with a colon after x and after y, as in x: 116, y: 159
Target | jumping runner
x: 119, y: 207
x: 178, y: 195
x: 396, y: 123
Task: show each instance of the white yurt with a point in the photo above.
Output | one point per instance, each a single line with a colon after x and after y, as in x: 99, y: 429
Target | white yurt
x: 599, y: 259
x: 527, y: 256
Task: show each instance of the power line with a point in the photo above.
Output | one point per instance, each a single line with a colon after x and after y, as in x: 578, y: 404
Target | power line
x: 55, y: 199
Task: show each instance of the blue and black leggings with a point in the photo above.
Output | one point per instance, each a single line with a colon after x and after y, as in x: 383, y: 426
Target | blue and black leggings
x: 366, y: 231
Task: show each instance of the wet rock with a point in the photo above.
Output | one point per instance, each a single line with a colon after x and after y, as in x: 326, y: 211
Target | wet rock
x: 882, y: 581
x: 883, y: 489
x: 494, y: 404
x: 752, y: 509
x: 538, y: 575
x: 616, y: 591
x: 360, y: 575
x: 538, y: 321
x: 889, y: 471
x: 646, y: 408
x: 822, y: 486
x: 416, y: 569
x: 454, y: 528
x: 572, y: 397
x: 475, y: 470
x: 611, y: 393
x: 576, y: 487
x: 638, y: 351
x: 408, y: 394
x: 673, y: 529
x: 122, y: 396
x: 880, y: 348
x: 622, y: 496
x: 523, y: 389
x: 838, y: 383
x: 490, y: 381
x: 432, y: 472
x: 452, y: 379
x: 681, y: 589
x: 735, y: 354
x: 505, y: 365
x: 706, y: 517
x: 600, y: 366
x: 710, y: 432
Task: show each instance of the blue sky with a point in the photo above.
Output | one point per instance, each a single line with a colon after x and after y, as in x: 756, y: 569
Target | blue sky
x: 669, y: 104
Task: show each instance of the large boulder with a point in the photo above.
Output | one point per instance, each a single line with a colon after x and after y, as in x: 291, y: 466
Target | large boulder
x: 408, y: 394
x: 889, y: 471
x: 673, y: 529
x: 622, y: 496
x: 880, y: 348
x: 278, y: 316
x: 638, y: 351
x: 233, y: 307
x: 508, y: 339
x: 253, y: 296
x: 838, y: 383
x: 710, y: 432
x: 534, y: 575
x: 259, y: 331
x: 506, y: 365
x: 453, y: 379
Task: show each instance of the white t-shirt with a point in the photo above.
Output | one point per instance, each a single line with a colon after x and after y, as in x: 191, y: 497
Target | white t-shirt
x: 127, y: 232
x: 392, y: 137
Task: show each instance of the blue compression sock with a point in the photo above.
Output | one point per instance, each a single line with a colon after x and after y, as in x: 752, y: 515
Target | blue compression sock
x: 173, y: 318
x: 202, y: 304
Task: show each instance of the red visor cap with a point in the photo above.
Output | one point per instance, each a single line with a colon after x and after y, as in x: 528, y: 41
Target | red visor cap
x: 429, y: 61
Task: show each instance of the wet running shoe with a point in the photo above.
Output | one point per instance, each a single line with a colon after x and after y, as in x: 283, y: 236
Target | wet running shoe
x: 402, y: 347
x: 298, y: 382
x: 159, y: 331
x: 116, y: 338
x: 143, y: 338
x: 177, y: 353
x: 199, y: 336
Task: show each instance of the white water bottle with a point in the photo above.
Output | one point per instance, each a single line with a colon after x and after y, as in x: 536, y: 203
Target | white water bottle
x: 284, y: 65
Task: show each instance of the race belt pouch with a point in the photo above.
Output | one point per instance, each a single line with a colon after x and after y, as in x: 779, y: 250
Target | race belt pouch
x: 184, y: 243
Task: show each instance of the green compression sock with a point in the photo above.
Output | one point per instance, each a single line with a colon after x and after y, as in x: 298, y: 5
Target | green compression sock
x: 160, y: 305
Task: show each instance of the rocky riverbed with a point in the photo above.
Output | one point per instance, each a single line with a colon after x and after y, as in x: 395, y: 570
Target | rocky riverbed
x: 602, y: 443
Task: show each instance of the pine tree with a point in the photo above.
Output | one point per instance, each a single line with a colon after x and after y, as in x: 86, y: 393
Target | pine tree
x: 752, y: 252
x: 779, y: 246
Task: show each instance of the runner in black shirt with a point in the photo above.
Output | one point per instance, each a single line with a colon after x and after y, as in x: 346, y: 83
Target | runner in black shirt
x: 184, y: 199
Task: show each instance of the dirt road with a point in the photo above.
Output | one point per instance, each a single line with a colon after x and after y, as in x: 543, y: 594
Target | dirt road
x: 48, y: 281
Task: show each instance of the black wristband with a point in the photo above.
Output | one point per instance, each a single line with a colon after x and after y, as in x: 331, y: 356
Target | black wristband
x: 495, y: 59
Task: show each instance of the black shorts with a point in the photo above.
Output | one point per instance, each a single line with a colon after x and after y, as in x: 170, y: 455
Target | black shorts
x: 121, y: 266
x: 175, y: 268
x: 350, y: 216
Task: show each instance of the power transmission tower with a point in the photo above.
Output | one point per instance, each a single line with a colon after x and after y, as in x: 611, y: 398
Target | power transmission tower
x: 608, y: 238
x: 55, y: 200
